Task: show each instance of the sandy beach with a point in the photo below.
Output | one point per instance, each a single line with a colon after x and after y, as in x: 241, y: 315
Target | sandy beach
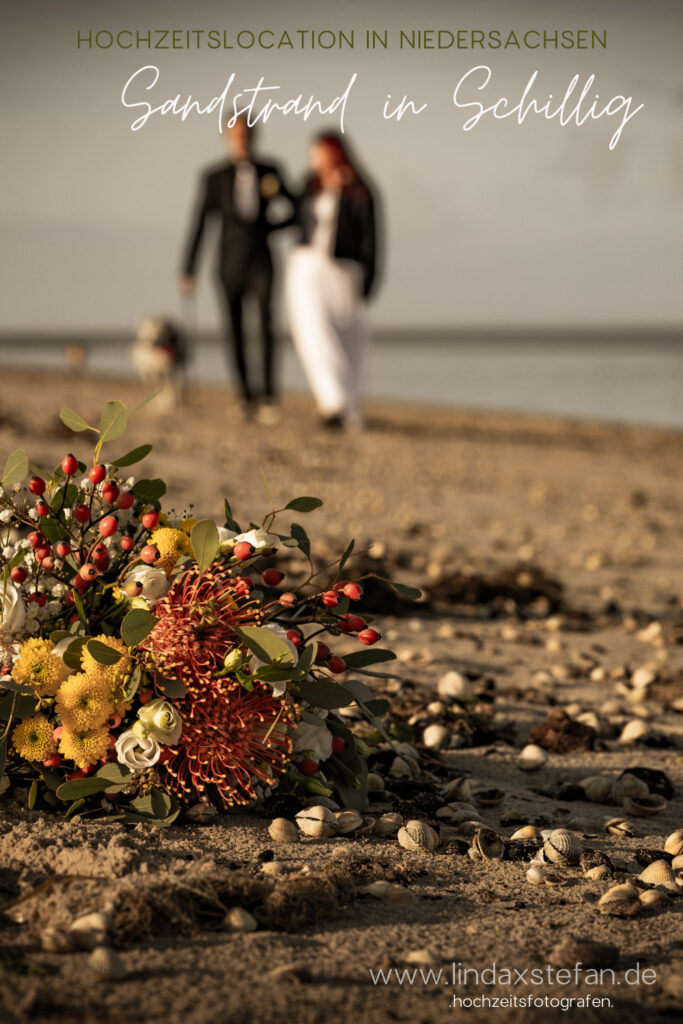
x: 550, y: 557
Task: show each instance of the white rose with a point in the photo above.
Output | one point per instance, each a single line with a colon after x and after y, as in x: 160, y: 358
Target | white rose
x: 154, y: 582
x: 162, y: 721
x: 13, y: 611
x: 259, y: 539
x: 135, y: 752
x: 313, y: 737
x: 226, y: 539
x: 280, y: 687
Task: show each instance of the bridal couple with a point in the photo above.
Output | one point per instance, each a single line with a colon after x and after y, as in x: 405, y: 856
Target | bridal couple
x: 329, y: 274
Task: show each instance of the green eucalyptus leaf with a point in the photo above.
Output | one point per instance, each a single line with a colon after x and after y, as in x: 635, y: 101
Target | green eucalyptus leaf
x: 74, y: 652
x: 347, y: 554
x: 133, y: 456
x: 266, y: 645
x: 75, y: 808
x: 303, y: 504
x: 147, y: 492
x: 102, y: 653
x: 33, y: 795
x: 79, y: 789
x: 204, y: 538
x: 359, y: 690
x: 16, y: 468
x: 407, y: 593
x: 307, y: 658
x: 323, y: 693
x: 171, y: 688
x: 51, y: 530
x: 230, y: 522
x: 301, y: 538
x: 74, y: 421
x: 113, y: 422
x: 9, y: 684
x: 136, y: 626
x: 359, y: 659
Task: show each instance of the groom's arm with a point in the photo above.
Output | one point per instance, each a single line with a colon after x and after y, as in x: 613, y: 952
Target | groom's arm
x: 203, y: 207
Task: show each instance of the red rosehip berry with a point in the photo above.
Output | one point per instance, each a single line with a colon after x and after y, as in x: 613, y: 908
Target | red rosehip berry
x: 322, y: 653
x: 88, y: 572
x: 353, y: 591
x: 43, y: 551
x: 97, y: 474
x: 109, y: 526
x: 126, y: 499
x: 134, y: 588
x: 69, y: 465
x: 18, y: 574
x: 330, y: 599
x: 271, y: 577
x: 81, y: 513
x: 357, y: 623
x: 127, y: 543
x: 36, y: 485
x: 36, y: 539
x: 80, y: 773
x: 344, y: 624
x: 43, y: 509
x: 47, y: 563
x: 288, y: 600
x: 336, y: 664
x: 295, y: 637
x: 62, y: 548
x: 38, y: 599
x: 145, y: 696
x: 338, y: 744
x: 243, y: 550
x: 368, y: 637
x: 150, y: 520
x: 110, y: 492
x: 149, y: 554
x: 340, y: 584
x: 308, y: 766
x: 70, y: 598
x: 80, y: 583
x: 100, y: 557
x: 57, y: 733
x: 53, y: 761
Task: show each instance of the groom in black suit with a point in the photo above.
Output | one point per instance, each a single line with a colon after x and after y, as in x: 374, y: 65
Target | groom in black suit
x: 239, y: 193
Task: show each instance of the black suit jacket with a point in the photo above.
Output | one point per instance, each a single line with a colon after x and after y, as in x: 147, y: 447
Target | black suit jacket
x: 356, y: 237
x: 243, y: 244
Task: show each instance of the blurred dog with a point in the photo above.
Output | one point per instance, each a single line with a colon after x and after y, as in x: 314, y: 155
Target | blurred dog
x: 159, y: 354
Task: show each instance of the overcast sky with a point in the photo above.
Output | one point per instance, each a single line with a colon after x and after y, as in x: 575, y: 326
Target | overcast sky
x: 501, y: 225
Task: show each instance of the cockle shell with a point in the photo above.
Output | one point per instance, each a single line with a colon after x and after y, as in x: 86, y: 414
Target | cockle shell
x: 644, y: 806
x: 454, y: 685
x: 597, y: 788
x: 562, y: 847
x: 404, y: 768
x: 238, y: 919
x: 457, y: 789
x: 107, y: 963
x: 436, y: 736
x: 390, y: 892
x: 202, y: 814
x: 620, y: 827
x: 387, y: 824
x: 598, y: 873
x: 318, y: 822
x: 628, y: 785
x: 417, y: 835
x: 487, y: 845
x: 375, y: 783
x: 466, y: 829
x: 348, y: 821
x: 620, y: 901
x: 653, y: 898
x: 531, y: 758
x: 526, y: 832
x: 283, y: 831
x: 677, y: 862
x: 90, y: 930
x: 659, y: 873
x: 674, y: 843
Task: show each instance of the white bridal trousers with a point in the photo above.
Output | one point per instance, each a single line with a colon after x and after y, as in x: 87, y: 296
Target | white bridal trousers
x: 326, y: 314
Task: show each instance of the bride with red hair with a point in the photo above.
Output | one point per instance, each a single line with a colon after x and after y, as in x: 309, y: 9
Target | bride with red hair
x: 329, y: 278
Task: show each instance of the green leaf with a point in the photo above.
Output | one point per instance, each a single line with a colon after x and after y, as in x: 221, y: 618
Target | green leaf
x: 23, y: 706
x: 33, y: 795
x: 3, y: 754
x: 9, y: 684
x: 230, y: 523
x: 301, y: 538
x: 273, y: 674
x: 116, y: 775
x: 52, y: 780
x: 323, y: 693
x: 82, y: 788
x: 51, y: 530
x: 266, y: 645
x: 204, y: 538
x: 147, y: 492
x: 74, y: 652
x: 408, y: 593
x: 359, y: 659
x: 75, y: 808
x: 16, y: 468
x: 306, y: 658
x: 360, y: 691
x: 74, y: 421
x: 304, y: 504
x: 347, y: 554
x: 137, y: 625
x: 102, y: 653
x: 113, y: 422
x: 377, y: 708
x: 171, y: 688
x: 133, y: 456
x: 80, y: 608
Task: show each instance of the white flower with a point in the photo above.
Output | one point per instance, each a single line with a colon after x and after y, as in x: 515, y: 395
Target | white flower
x: 154, y: 582
x: 135, y: 752
x: 6, y: 515
x: 279, y: 687
x: 13, y: 612
x: 226, y: 539
x: 314, y: 737
x: 259, y: 539
x: 162, y: 721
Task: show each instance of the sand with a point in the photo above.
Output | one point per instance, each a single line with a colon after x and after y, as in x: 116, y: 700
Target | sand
x: 460, y: 504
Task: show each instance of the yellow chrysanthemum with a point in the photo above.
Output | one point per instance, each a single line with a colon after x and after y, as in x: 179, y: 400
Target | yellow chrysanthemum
x: 114, y: 674
x: 187, y: 525
x: 84, y: 701
x: 83, y: 746
x: 171, y: 545
x: 33, y: 740
x: 39, y: 668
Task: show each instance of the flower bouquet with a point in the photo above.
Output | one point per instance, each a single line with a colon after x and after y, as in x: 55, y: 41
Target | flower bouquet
x: 150, y: 660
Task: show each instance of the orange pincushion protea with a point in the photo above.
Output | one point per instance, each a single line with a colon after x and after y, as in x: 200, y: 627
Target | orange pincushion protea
x: 232, y: 740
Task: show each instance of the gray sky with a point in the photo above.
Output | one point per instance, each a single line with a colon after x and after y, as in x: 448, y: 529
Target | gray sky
x: 502, y: 225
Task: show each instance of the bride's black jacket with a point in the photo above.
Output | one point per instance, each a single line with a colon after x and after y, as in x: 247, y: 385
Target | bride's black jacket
x: 356, y: 237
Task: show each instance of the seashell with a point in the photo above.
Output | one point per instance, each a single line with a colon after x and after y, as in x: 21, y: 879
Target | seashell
x: 634, y: 731
x: 322, y: 801
x: 597, y: 788
x: 531, y: 758
x: 677, y: 863
x: 283, y: 831
x: 489, y: 797
x: 404, y: 768
x: 107, y: 963
x: 202, y: 814
x: 674, y: 843
x: 238, y: 919
x: 273, y: 867
x: 466, y: 829
x: 653, y: 898
x: 628, y: 785
x: 54, y: 940
x: 375, y: 783
x: 444, y: 813
x: 376, y: 889
x: 620, y: 827
x: 598, y: 873
x: 387, y: 824
x: 435, y: 708
x: 436, y: 736
x: 536, y: 874
x: 454, y: 685
x: 529, y: 832
x: 594, y: 858
x: 90, y: 930
x: 643, y: 677
x: 562, y: 847
x: 423, y: 958
x: 620, y: 901
x: 644, y: 806
x: 348, y: 821
x: 398, y: 895
x: 318, y: 822
x: 457, y: 789
x: 417, y: 835
x: 487, y: 845
x: 659, y: 873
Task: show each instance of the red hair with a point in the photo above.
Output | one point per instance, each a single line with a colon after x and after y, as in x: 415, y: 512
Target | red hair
x: 342, y: 161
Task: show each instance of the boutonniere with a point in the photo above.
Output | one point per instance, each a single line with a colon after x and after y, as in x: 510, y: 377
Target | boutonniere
x: 270, y: 185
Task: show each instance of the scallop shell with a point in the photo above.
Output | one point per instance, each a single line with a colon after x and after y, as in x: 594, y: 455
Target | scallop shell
x: 653, y: 898
x: 202, y: 814
x: 107, y: 963
x: 417, y: 835
x: 562, y: 847
x: 387, y: 824
x: 487, y: 845
x: 620, y: 901
x: 659, y: 873
x: 597, y: 788
x: 644, y: 806
x: 318, y: 822
x: 348, y: 821
x: 620, y: 827
x: 526, y: 832
x: 283, y: 831
x: 674, y: 843
x: 531, y: 758
x: 54, y: 940
x: 457, y: 789
x: 436, y: 736
x: 628, y: 785
x: 90, y: 930
x: 238, y: 919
